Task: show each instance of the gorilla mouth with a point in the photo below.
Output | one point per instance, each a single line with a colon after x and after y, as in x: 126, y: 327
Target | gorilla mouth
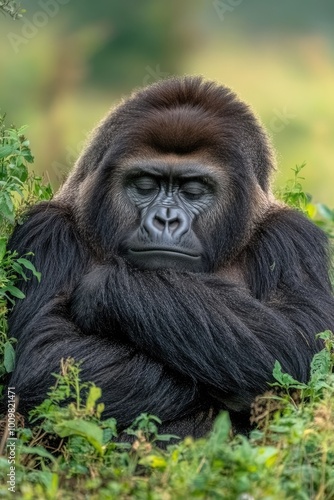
x: 165, y: 258
x: 164, y: 251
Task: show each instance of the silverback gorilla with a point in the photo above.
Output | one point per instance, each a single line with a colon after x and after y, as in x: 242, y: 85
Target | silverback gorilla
x: 168, y: 268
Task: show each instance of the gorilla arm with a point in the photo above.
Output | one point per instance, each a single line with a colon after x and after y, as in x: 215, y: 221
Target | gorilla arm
x: 220, y: 334
x: 131, y: 381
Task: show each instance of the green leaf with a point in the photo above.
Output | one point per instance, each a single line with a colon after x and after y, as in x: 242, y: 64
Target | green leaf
x: 50, y: 480
x: 284, y: 379
x: 8, y: 201
x: 29, y: 265
x: 28, y: 156
x: 6, y: 150
x: 93, y: 395
x: 17, y: 188
x: 9, y: 357
x: 326, y: 212
x: 5, y: 212
x: 19, y: 270
x: 92, y: 432
x: 154, y: 461
x: 221, y: 431
x: 3, y: 245
x: 321, y: 364
x: 267, y: 456
x: 19, y: 171
x: 14, y: 291
x: 38, y: 450
x: 166, y: 437
x: 326, y: 335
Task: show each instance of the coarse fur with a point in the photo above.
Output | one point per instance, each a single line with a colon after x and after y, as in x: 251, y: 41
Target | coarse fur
x: 181, y: 345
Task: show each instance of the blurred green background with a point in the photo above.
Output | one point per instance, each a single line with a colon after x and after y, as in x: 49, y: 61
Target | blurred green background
x: 67, y: 61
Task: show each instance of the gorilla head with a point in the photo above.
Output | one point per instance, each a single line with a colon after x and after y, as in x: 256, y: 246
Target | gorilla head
x: 184, y: 168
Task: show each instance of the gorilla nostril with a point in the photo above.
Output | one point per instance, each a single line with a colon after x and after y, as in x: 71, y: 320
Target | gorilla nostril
x: 173, y: 224
x: 159, y: 223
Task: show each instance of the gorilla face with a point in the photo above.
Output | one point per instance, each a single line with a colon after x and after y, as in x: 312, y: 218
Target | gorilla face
x: 169, y: 199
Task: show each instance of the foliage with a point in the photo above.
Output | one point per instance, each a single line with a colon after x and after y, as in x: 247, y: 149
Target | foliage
x: 290, y: 455
x: 294, y: 195
x: 18, y: 190
x: 67, y: 450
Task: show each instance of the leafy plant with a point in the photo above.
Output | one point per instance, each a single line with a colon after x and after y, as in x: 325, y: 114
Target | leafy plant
x: 290, y: 456
x: 18, y: 190
x: 302, y: 427
x: 293, y: 194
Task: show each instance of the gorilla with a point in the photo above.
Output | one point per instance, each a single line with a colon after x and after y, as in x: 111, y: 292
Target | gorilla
x: 169, y: 270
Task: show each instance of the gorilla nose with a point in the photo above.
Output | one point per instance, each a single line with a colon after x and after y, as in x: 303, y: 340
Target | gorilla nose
x: 166, y: 217
x: 166, y: 222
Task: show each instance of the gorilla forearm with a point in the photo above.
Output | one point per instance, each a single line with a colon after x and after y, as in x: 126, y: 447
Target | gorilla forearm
x: 211, y: 333
x: 129, y: 380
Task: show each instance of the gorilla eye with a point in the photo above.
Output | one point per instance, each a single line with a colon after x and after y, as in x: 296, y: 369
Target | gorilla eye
x: 145, y: 185
x: 193, y: 190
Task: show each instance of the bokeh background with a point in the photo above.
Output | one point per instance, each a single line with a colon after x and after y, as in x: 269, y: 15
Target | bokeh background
x: 68, y: 61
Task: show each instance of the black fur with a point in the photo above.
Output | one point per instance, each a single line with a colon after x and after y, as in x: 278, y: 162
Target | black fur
x: 179, y: 345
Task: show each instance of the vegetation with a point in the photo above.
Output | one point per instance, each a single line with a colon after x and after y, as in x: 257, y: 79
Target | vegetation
x: 69, y: 451
x: 18, y: 190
